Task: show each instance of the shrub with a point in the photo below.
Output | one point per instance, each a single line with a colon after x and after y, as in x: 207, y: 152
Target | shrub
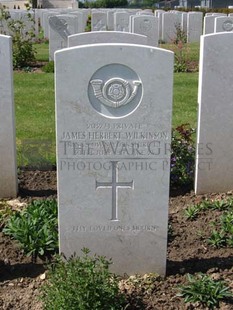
x: 35, y: 228
x: 23, y: 50
x: 180, y: 50
x: 82, y: 283
x: 204, y: 290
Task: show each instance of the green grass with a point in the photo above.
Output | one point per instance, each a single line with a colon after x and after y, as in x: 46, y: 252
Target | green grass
x: 191, y: 50
x: 35, y: 103
x: 42, y: 51
x: 185, y: 99
x: 34, y: 108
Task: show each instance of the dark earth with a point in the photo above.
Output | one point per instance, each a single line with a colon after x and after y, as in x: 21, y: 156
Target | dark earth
x: 188, y: 252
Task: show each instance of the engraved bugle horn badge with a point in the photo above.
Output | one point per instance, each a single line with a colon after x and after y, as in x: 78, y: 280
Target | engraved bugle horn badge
x: 115, y: 92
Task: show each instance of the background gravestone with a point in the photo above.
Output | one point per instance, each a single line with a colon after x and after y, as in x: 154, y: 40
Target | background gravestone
x: 106, y: 37
x: 121, y: 21
x: 8, y: 167
x: 113, y: 139
x: 99, y: 21
x: 223, y: 24
x: 209, y: 24
x: 148, y: 26
x: 60, y: 27
x: 169, y: 24
x: 214, y: 159
x: 194, y: 26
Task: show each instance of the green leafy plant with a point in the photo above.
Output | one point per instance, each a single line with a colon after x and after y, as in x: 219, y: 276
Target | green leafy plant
x: 204, y: 290
x: 35, y: 228
x: 49, y: 67
x: 220, y: 205
x: 82, y: 283
x: 5, y: 213
x: 182, y: 156
x: 222, y: 234
x: 191, y: 212
x: 217, y: 239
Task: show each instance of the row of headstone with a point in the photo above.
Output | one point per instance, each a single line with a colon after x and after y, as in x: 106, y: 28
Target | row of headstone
x: 218, y: 23
x: 113, y: 120
x: 61, y: 26
x: 113, y: 137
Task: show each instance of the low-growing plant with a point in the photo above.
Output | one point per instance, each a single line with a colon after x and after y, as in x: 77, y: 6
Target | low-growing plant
x: 49, y: 67
x: 35, y: 228
x: 217, y: 239
x: 204, y: 290
x: 182, y: 156
x: 222, y: 234
x: 223, y: 204
x: 83, y: 283
x: 5, y: 213
x: 191, y: 212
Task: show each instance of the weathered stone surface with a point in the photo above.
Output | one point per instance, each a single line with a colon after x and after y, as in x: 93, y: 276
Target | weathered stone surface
x: 113, y: 139
x: 8, y: 167
x: 214, y: 165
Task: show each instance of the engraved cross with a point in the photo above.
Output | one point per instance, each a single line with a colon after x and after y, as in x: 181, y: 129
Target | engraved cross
x: 114, y: 185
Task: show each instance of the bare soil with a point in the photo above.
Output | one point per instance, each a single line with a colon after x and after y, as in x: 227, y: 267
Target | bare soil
x: 188, y: 252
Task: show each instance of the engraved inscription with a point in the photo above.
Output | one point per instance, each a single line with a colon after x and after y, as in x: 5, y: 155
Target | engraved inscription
x: 110, y: 228
x: 59, y: 25
x: 227, y: 25
x: 114, y: 92
x: 114, y: 185
x: 145, y: 25
x: 99, y: 25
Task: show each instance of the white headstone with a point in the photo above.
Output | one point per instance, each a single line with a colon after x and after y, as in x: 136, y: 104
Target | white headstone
x: 170, y: 21
x: 223, y: 24
x: 214, y: 164
x: 96, y: 37
x: 110, y: 20
x: 61, y: 26
x: 159, y: 15
x: 209, y: 24
x: 121, y: 21
x: 8, y: 166
x: 184, y: 22
x: 113, y: 135
x: 194, y: 26
x: 148, y: 26
x: 99, y: 21
x: 45, y: 21
x: 81, y: 19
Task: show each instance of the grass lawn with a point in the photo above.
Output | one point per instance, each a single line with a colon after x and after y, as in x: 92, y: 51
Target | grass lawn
x: 185, y: 99
x: 42, y: 51
x: 35, y: 108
